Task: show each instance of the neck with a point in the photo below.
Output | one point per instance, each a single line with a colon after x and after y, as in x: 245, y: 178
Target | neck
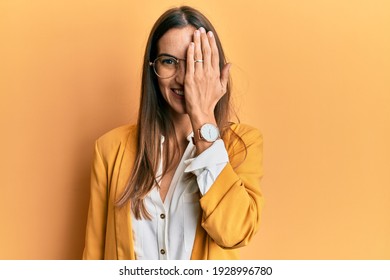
x: 183, y: 128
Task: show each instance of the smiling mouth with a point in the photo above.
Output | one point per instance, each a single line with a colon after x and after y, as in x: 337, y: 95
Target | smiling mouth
x: 179, y: 92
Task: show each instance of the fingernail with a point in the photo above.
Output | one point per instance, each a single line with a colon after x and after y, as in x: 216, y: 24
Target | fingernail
x: 202, y: 30
x: 210, y: 33
x: 197, y: 33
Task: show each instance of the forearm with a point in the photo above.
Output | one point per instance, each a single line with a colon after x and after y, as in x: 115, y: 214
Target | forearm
x: 233, y: 204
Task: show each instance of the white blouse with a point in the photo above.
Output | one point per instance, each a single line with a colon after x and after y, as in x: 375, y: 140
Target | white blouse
x: 171, y: 231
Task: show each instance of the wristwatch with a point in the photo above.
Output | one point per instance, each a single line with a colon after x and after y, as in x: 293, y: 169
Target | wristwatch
x: 208, y: 132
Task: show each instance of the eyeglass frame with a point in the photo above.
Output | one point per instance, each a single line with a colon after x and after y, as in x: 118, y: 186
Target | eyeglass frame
x: 177, y: 62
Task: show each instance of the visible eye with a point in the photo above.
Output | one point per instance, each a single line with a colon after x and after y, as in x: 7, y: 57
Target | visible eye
x: 168, y: 61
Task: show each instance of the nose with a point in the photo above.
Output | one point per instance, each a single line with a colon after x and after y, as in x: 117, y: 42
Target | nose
x: 180, y: 72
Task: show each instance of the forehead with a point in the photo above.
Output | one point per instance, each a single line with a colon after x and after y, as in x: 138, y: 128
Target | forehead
x: 176, y: 41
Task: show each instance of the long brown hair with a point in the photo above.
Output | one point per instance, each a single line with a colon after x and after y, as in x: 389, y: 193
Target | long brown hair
x: 154, y: 119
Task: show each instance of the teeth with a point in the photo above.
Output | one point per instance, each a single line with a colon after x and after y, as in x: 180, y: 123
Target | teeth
x: 179, y: 92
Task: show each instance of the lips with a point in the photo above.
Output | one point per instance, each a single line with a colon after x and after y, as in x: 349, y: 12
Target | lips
x: 178, y: 92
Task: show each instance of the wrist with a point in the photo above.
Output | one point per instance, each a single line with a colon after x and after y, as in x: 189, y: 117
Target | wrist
x: 200, y: 118
x: 207, y: 133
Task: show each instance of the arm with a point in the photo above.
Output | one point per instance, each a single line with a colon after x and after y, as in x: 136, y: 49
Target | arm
x: 232, y: 206
x: 205, y: 83
x: 96, y: 224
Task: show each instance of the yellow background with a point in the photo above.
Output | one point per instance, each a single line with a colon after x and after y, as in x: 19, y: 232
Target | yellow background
x: 313, y: 76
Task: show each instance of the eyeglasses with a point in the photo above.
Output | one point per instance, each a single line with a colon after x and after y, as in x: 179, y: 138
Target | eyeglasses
x: 165, y: 66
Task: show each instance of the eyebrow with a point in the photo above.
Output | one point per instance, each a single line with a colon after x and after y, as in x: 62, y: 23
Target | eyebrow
x: 167, y: 54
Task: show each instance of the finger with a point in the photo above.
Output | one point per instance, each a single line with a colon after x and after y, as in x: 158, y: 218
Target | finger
x: 206, y: 50
x: 190, y: 59
x: 198, y: 50
x: 214, y: 51
x: 225, y: 77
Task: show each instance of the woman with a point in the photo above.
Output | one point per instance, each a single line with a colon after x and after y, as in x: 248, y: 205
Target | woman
x: 183, y: 183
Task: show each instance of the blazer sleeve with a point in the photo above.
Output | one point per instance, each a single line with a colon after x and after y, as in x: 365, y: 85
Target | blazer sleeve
x: 97, y: 214
x: 232, y: 206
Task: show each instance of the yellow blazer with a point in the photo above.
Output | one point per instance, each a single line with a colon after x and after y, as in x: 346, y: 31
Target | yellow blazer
x: 231, y: 208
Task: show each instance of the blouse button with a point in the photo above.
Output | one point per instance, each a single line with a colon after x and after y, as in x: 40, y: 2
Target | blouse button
x: 162, y: 251
x: 162, y: 216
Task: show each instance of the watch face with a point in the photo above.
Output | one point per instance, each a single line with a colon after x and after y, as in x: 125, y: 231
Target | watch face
x: 209, y: 132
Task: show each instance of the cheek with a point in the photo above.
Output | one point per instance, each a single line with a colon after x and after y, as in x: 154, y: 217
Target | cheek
x: 164, y: 87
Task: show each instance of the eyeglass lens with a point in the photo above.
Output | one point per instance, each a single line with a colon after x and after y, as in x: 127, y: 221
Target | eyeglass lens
x: 165, y: 66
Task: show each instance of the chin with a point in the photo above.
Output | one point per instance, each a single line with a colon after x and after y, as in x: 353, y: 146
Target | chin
x: 178, y: 109
x: 176, y: 103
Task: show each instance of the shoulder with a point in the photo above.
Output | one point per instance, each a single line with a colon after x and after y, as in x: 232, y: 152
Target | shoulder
x: 118, y: 134
x: 244, y: 144
x: 244, y: 131
x: 117, y: 137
